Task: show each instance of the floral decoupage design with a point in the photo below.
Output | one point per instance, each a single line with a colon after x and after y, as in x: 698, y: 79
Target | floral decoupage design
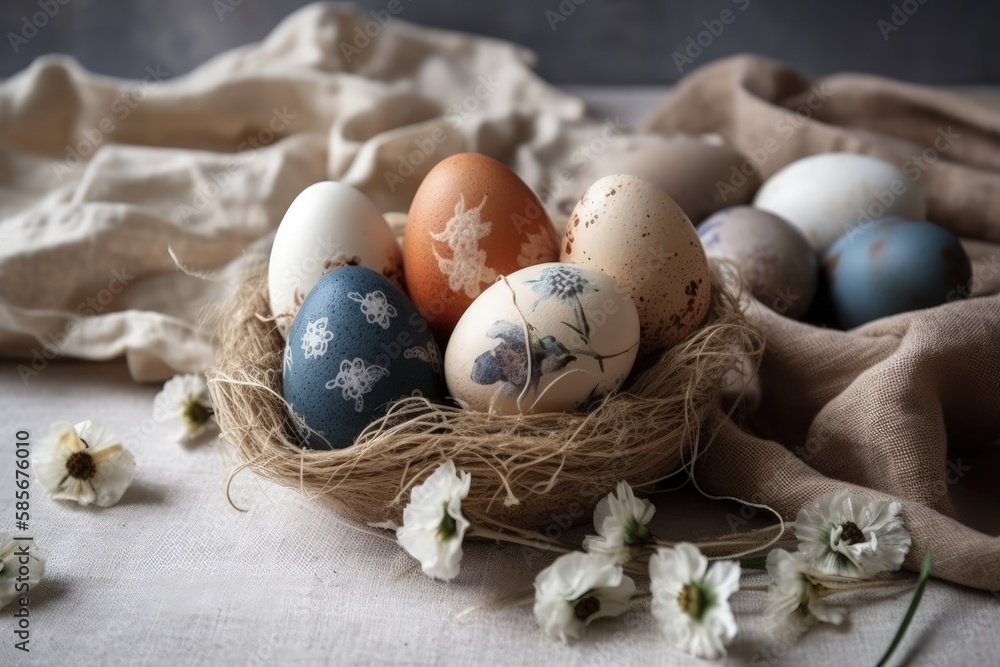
x: 316, y: 338
x: 466, y: 269
x: 427, y: 353
x: 375, y: 307
x: 508, y: 362
x: 356, y: 379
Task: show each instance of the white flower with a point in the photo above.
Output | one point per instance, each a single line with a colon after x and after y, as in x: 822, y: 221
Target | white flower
x: 797, y: 588
x: 849, y: 535
x: 578, y: 588
x: 183, y: 407
x: 621, y: 525
x: 21, y: 562
x: 84, y: 463
x: 691, y: 600
x: 433, y: 526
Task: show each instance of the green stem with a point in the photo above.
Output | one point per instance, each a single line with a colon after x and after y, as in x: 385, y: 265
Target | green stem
x: 753, y: 563
x: 504, y: 537
x: 925, y: 573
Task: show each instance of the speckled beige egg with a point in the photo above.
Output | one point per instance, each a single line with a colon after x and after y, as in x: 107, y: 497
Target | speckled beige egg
x: 775, y: 259
x: 633, y: 231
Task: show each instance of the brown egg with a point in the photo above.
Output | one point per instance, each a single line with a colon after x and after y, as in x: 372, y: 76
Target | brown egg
x: 701, y: 176
x: 471, y: 220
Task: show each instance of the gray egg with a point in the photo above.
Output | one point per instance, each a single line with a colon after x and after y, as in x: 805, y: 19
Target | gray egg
x: 774, y: 258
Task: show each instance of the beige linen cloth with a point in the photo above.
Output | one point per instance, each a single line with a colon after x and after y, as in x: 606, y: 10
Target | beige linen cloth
x: 99, y: 176
x: 101, y: 179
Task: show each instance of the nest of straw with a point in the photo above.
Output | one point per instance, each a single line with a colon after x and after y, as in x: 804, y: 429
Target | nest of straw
x: 533, y: 471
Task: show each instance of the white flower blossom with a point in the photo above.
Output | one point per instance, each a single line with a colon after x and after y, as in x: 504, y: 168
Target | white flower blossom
x: 849, y: 535
x: 21, y: 562
x: 691, y: 599
x: 620, y: 520
x: 796, y: 588
x: 577, y: 589
x: 84, y: 463
x: 183, y: 408
x: 433, y: 525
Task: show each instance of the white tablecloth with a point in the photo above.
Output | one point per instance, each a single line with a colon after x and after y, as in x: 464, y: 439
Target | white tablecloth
x: 174, y: 575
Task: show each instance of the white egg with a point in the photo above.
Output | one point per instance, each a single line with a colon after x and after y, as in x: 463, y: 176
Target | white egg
x: 328, y: 225
x: 828, y: 194
x: 547, y: 338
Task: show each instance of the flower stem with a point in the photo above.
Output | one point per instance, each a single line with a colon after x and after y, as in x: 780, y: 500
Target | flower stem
x: 754, y: 563
x: 925, y: 573
x: 505, y: 537
x: 521, y: 532
x: 834, y: 587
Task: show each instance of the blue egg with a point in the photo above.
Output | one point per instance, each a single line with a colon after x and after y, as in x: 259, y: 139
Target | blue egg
x: 893, y: 266
x: 356, y: 345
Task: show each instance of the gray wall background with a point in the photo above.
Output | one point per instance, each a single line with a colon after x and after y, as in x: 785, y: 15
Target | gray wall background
x: 623, y: 42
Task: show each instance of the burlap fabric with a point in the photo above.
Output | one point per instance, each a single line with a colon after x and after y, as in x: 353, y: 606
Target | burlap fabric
x: 101, y: 179
x: 874, y: 407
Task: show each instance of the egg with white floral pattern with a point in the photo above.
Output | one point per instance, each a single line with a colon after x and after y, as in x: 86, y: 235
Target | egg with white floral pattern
x: 472, y: 219
x: 356, y: 345
x: 549, y: 338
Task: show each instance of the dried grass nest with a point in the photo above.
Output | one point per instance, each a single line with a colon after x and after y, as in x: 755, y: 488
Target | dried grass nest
x: 527, y: 471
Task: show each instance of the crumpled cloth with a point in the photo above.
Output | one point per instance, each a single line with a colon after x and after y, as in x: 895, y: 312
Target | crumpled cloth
x: 102, y: 179
x: 871, y: 409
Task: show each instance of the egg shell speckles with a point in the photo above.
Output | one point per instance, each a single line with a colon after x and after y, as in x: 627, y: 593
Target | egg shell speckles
x: 579, y: 326
x: 471, y: 220
x: 630, y: 229
x: 356, y: 345
x: 774, y: 258
x: 893, y: 266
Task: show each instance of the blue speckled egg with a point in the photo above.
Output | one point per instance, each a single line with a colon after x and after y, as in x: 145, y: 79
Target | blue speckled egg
x: 356, y: 344
x: 891, y: 266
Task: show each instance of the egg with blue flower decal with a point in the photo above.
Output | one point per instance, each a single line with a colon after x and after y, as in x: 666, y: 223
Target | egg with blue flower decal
x: 356, y: 345
x: 893, y: 265
x: 548, y: 338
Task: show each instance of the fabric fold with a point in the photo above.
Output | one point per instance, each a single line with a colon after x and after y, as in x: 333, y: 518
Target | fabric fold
x: 948, y: 143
